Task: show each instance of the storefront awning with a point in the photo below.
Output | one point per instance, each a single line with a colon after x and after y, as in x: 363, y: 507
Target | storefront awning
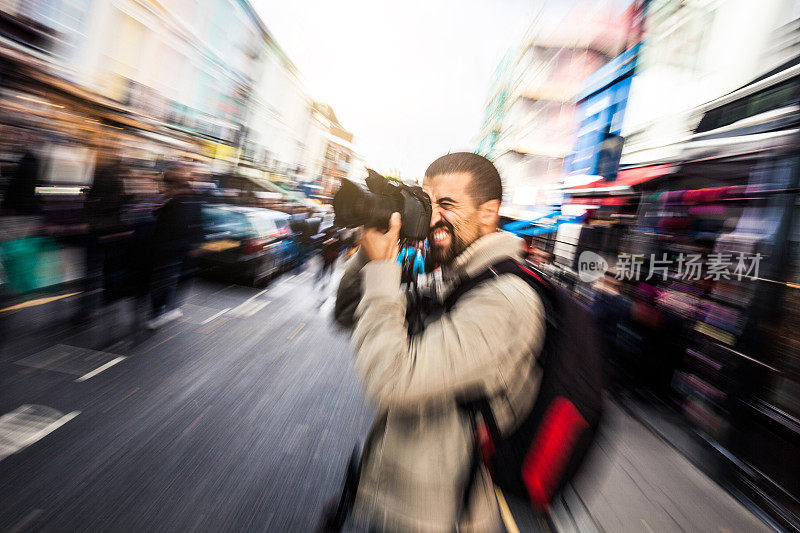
x: 626, y: 180
x: 542, y: 225
x: 593, y: 200
x: 519, y: 225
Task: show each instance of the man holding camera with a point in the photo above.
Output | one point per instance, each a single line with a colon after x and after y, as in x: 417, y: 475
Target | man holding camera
x: 417, y: 460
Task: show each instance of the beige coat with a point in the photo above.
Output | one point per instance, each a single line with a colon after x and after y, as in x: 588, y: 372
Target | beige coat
x: 414, y: 473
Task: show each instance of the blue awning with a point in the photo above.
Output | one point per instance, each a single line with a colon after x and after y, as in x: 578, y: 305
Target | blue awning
x: 518, y: 226
x: 542, y: 225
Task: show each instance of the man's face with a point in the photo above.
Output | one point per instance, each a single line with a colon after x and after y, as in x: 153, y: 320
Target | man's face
x: 454, y: 221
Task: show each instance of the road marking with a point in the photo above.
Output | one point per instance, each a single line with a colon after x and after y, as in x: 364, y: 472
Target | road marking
x: 22, y: 524
x: 246, y: 309
x: 215, y: 315
x: 505, y: 512
x: 646, y: 525
x: 96, y: 371
x: 67, y: 359
x: 28, y: 423
x: 38, y: 301
x: 256, y: 295
x: 327, y: 305
x: 283, y: 288
x: 57, y: 357
x: 222, y: 289
x: 208, y: 328
x: 296, y: 330
x: 193, y: 424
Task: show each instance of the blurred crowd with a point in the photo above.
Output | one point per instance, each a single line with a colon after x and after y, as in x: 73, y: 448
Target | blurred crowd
x: 132, y: 229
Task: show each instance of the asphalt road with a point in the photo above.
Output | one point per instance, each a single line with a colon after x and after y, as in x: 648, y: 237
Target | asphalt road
x: 239, y: 416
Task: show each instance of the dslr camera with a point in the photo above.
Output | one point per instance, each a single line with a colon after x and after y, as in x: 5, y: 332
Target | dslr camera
x: 372, y: 208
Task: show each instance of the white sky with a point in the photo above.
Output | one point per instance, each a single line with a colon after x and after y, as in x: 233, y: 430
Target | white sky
x: 409, y: 78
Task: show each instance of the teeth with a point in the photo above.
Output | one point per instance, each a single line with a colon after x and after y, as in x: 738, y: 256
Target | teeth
x: 439, y: 235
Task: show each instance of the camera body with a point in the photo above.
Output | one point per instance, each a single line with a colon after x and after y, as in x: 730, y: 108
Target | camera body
x: 354, y: 206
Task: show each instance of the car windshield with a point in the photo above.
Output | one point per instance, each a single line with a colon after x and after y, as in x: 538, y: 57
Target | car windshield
x: 263, y: 224
x: 283, y: 226
x: 226, y: 223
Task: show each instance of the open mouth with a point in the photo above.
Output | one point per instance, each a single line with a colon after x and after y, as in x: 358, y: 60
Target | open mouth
x: 440, y: 236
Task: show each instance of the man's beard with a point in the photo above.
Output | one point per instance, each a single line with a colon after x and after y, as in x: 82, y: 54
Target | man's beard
x: 444, y: 256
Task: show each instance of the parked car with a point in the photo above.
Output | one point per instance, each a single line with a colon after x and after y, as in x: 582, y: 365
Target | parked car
x: 248, y: 244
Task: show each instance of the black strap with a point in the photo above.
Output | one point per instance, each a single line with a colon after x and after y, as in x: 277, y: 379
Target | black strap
x: 347, y: 497
x: 507, y: 266
x: 481, y: 405
x: 472, y: 409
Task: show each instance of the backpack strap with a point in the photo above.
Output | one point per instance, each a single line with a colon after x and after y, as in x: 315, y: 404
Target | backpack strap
x: 466, y: 285
x: 507, y: 266
x: 481, y: 405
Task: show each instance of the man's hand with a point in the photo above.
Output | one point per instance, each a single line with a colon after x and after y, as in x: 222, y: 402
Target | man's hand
x: 380, y: 246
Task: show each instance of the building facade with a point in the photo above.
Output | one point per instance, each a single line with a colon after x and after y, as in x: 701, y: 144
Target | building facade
x: 530, y: 114
x: 206, y: 72
x: 693, y: 52
x: 330, y: 155
x: 600, y: 108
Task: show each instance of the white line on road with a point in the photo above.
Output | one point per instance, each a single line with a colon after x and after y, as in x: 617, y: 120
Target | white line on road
x: 222, y: 289
x: 296, y: 330
x: 215, y: 315
x: 247, y: 309
x: 96, y: 371
x: 282, y: 289
x: 27, y: 424
x: 256, y: 295
x: 327, y: 306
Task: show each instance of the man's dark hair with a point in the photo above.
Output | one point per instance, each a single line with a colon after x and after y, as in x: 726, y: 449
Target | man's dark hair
x: 486, y: 183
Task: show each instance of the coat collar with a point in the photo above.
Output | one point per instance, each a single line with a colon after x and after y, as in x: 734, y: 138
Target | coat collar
x: 484, y: 252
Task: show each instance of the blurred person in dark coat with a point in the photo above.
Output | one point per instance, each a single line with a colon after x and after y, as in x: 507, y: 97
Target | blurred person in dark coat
x: 178, y: 230
x: 610, y: 307
x: 19, y: 198
x: 106, y: 232
x: 331, y: 247
x: 21, y: 224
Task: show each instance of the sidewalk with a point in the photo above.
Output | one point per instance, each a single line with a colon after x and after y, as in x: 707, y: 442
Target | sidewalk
x: 636, y: 482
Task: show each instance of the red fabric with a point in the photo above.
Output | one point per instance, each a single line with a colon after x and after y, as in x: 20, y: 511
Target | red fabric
x: 545, y: 461
x: 594, y: 200
x: 532, y: 273
x: 485, y: 445
x: 710, y: 194
x: 628, y: 177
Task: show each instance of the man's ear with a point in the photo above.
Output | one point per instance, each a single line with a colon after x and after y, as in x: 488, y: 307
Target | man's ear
x: 489, y: 213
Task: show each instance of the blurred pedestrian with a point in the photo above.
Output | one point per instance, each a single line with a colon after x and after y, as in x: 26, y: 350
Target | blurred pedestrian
x: 331, y: 247
x: 610, y: 307
x: 178, y: 230
x: 21, y: 224
x: 105, y: 240
x: 19, y: 198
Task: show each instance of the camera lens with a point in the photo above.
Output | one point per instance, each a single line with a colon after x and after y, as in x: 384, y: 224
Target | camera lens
x: 355, y: 206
